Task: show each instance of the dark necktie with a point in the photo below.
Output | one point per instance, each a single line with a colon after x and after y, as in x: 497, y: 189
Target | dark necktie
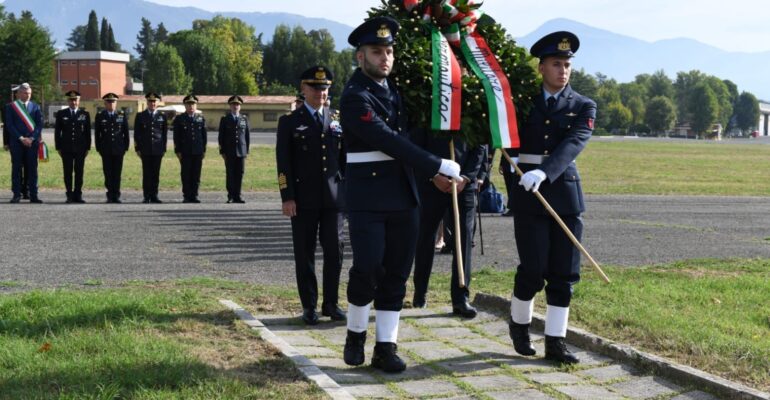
x: 551, y: 103
x: 319, y: 120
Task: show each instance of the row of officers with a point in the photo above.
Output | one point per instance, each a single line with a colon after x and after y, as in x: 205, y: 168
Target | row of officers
x: 72, y: 136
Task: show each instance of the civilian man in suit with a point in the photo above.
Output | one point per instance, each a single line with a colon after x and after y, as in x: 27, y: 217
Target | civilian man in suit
x: 554, y: 134
x: 234, y: 141
x: 381, y: 194
x: 150, y: 137
x: 435, y: 202
x: 25, y: 125
x: 112, y: 141
x: 72, y: 137
x: 6, y: 147
x: 190, y: 147
x: 311, y: 160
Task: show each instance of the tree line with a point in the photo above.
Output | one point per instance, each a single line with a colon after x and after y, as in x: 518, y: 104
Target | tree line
x: 224, y: 56
x: 655, y: 104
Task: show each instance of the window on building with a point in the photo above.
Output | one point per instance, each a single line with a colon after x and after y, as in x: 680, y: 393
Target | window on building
x: 83, y: 83
x: 83, y: 63
x: 93, y: 82
x: 64, y: 83
x: 270, y: 117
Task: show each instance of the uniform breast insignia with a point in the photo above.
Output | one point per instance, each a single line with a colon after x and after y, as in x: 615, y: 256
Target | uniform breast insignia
x: 572, y: 115
x: 301, y: 127
x: 335, y: 126
x: 82, y: 117
x: 282, y: 181
x: 65, y: 118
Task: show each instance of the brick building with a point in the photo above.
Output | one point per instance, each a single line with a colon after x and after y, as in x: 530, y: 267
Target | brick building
x: 92, y: 73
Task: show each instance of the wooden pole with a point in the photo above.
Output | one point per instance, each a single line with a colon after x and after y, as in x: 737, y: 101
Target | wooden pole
x: 457, y: 235
x: 558, y: 219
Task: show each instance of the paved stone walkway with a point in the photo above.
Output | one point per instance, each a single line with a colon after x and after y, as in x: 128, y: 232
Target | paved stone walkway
x: 450, y: 358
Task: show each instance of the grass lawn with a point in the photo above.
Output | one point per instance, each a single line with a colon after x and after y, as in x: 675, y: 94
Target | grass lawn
x: 142, y: 341
x: 623, y: 167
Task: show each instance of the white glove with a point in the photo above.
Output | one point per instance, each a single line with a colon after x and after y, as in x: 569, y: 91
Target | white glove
x: 450, y: 169
x: 532, y: 180
x: 515, y: 162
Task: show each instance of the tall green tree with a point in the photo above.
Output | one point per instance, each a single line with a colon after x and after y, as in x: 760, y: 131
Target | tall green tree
x: 704, y: 107
x: 112, y: 44
x: 77, y: 39
x: 619, y: 117
x: 659, y: 84
x: 746, y: 112
x: 724, y: 99
x: 28, y: 52
x: 165, y: 71
x: 683, y: 87
x: 660, y: 114
x: 161, y: 34
x: 144, y: 39
x: 104, y: 39
x: 584, y: 83
x: 92, y: 41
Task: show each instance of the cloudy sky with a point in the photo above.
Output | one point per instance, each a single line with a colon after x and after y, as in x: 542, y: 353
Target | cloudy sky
x: 735, y: 25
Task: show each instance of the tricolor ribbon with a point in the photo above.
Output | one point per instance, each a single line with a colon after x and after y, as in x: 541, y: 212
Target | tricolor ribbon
x: 21, y: 110
x: 447, y: 85
x: 502, y: 114
x: 42, y: 152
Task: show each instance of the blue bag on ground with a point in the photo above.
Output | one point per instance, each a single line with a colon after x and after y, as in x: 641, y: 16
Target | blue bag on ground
x: 490, y: 200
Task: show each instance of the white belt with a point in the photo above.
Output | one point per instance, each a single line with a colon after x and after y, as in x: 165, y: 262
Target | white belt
x: 368, y: 156
x: 531, y: 158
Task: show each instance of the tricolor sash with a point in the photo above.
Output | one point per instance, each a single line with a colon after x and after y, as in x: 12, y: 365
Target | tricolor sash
x: 502, y: 114
x: 21, y: 110
x: 447, y: 85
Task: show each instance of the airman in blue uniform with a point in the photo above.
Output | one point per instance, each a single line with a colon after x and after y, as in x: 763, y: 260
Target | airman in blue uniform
x: 72, y: 138
x: 150, y: 141
x: 381, y: 193
x: 112, y: 141
x: 311, y: 162
x: 234, y: 140
x: 190, y: 138
x: 554, y: 134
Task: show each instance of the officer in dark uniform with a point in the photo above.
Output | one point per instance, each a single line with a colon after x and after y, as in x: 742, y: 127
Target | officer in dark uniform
x: 311, y: 161
x: 554, y: 134
x: 72, y: 137
x: 435, y: 202
x: 234, y: 141
x: 112, y: 141
x: 150, y: 137
x: 190, y: 147
x: 381, y: 193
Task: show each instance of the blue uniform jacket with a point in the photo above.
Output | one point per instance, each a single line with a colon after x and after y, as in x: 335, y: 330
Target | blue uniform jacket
x: 311, y: 160
x: 561, y: 134
x: 72, y: 133
x: 373, y: 119
x: 190, y: 134
x: 111, y: 133
x: 234, y: 136
x: 150, y: 134
x: 17, y: 128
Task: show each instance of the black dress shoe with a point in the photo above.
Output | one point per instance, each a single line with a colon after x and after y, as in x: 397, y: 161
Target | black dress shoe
x: 35, y: 200
x: 519, y: 334
x: 79, y: 200
x: 386, y: 359
x: 354, y: 348
x: 464, y: 310
x: 195, y: 200
x: 507, y: 213
x: 146, y: 200
x: 116, y: 200
x: 69, y: 200
x: 418, y: 301
x: 229, y: 200
x: 186, y: 200
x: 238, y: 200
x: 155, y: 200
x: 309, y: 316
x: 556, y: 350
x: 25, y: 196
x: 15, y: 199
x: 333, y: 311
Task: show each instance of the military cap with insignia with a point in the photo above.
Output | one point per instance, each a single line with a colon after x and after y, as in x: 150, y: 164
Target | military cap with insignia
x: 318, y: 76
x: 378, y: 30
x: 110, y: 97
x: 190, y: 98
x: 235, y: 99
x: 72, y: 95
x: 152, y: 96
x: 562, y: 44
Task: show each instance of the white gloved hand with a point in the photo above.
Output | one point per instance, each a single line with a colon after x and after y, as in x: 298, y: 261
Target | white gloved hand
x: 532, y: 180
x: 515, y: 162
x: 450, y: 169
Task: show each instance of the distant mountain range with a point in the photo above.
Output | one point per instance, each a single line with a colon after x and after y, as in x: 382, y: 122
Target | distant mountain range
x: 617, y: 56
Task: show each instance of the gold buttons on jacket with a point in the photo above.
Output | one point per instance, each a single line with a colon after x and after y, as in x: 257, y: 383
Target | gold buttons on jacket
x: 374, y: 174
x: 545, y: 152
x: 546, y: 136
x: 548, y: 122
x: 323, y: 146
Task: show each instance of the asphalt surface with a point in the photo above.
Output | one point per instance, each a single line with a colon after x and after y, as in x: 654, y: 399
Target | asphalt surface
x: 56, y: 244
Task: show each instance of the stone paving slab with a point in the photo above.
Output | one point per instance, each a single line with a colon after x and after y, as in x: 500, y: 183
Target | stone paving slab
x: 451, y: 358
